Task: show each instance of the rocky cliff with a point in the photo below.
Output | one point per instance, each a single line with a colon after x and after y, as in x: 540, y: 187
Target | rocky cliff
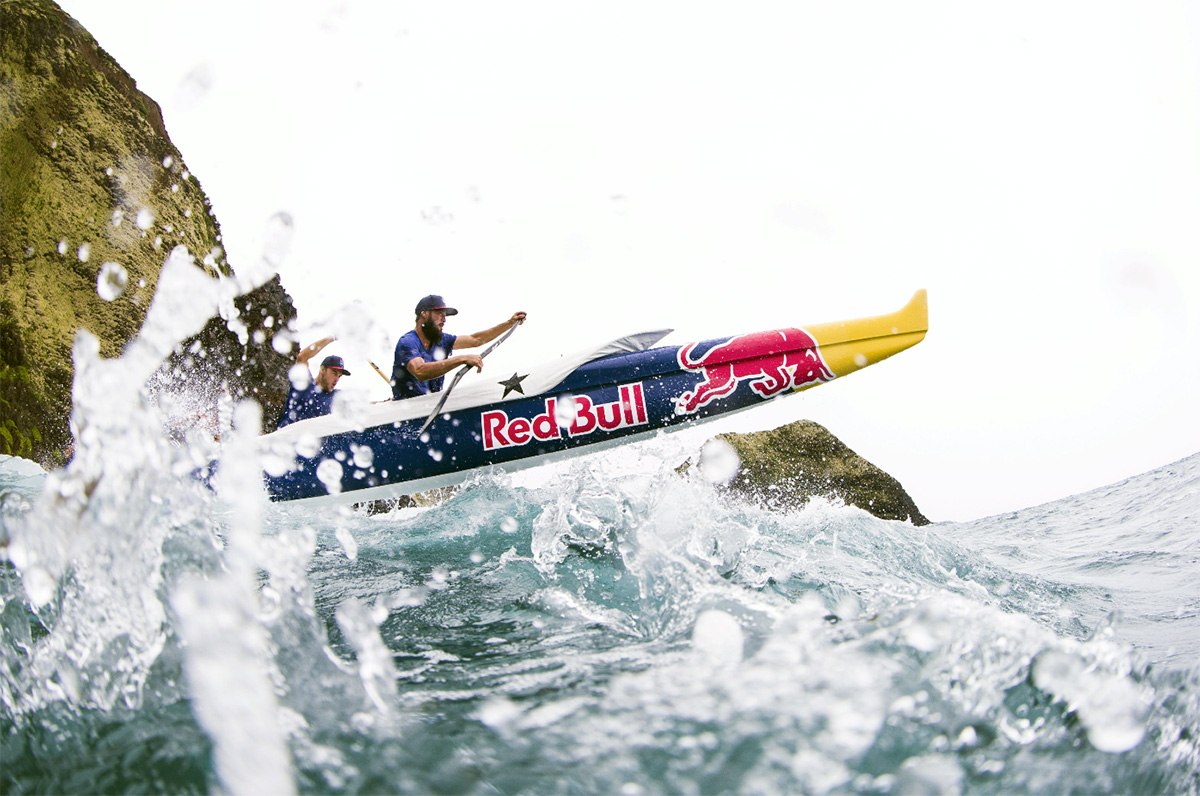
x: 785, y: 467
x: 89, y: 177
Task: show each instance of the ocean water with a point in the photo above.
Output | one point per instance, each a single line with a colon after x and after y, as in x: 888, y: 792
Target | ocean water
x: 607, y: 626
x: 616, y: 629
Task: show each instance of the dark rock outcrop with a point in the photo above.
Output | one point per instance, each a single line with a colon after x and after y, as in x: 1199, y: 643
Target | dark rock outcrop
x: 784, y: 467
x: 88, y: 176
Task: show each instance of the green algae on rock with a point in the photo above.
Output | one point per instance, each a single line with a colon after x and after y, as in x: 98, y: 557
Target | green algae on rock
x: 785, y: 467
x: 88, y: 178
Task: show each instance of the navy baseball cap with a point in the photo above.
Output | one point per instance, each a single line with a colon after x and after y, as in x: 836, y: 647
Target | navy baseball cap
x: 434, y: 302
x: 336, y: 363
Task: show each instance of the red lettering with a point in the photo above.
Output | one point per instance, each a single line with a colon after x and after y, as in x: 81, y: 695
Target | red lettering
x: 546, y: 426
x: 585, y: 421
x: 609, y: 415
x: 518, y: 431
x: 627, y: 405
x: 639, y: 404
x: 493, y: 430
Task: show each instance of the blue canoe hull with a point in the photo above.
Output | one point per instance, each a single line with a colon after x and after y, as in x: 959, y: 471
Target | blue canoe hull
x: 607, y: 401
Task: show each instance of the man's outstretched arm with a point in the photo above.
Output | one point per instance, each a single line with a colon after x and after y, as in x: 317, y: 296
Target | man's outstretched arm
x: 487, y: 335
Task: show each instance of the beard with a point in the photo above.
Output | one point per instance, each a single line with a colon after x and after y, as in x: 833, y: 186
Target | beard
x: 431, y: 331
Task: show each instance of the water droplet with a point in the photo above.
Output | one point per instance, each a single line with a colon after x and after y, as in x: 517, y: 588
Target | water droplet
x: 565, y: 411
x: 110, y: 283
x: 499, y: 712
x: 364, y: 457
x: 719, y: 462
x: 167, y: 161
x: 329, y: 472
x: 509, y: 525
x: 62, y: 247
x: 718, y: 636
x: 436, y: 455
x: 40, y: 585
x: 300, y: 376
x: 308, y: 446
x: 145, y: 218
x: 349, y: 545
x: 118, y: 216
x: 278, y: 462
x: 85, y: 251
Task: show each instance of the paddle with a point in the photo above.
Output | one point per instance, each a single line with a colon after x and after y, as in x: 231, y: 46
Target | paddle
x: 462, y: 372
x: 380, y: 372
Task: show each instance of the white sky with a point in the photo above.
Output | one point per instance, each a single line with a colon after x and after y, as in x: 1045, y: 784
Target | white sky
x: 723, y: 168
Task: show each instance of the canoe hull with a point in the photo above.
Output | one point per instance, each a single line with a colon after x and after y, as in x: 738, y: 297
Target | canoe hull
x: 606, y: 402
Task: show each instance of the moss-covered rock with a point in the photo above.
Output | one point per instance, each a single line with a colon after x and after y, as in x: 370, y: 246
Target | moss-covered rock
x: 88, y: 175
x: 784, y: 467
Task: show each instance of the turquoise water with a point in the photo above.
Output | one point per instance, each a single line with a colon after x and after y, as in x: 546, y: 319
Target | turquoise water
x: 610, y: 630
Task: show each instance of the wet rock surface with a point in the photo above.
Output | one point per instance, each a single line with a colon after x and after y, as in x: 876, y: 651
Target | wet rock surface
x: 93, y: 198
x: 787, y: 466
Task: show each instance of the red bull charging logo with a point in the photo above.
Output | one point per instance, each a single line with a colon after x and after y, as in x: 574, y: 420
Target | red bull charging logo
x: 771, y: 361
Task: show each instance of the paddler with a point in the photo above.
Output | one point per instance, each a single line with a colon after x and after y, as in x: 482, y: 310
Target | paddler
x: 425, y: 355
x: 316, y: 399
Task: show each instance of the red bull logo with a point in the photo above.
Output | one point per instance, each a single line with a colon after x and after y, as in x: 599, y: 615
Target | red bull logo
x: 499, y: 431
x: 771, y: 361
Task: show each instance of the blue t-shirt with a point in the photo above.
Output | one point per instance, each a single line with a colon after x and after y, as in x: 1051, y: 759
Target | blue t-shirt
x: 312, y: 401
x: 404, y: 384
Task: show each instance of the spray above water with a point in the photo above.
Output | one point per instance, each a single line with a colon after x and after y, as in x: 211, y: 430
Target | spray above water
x: 93, y: 554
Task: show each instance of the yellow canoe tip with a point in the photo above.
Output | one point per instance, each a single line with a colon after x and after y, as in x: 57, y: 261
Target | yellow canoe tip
x: 916, y: 312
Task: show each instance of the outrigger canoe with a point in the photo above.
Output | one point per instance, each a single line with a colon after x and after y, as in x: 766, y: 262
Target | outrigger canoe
x: 619, y: 392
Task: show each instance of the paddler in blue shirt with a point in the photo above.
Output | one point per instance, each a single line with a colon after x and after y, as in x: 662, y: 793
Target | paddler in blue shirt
x: 316, y: 399
x: 425, y: 355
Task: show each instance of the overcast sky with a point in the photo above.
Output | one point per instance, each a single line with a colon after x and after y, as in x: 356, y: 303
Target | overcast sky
x: 723, y: 168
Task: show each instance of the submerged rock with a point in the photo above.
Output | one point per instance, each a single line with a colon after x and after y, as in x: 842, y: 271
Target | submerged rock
x: 93, y: 198
x: 428, y: 499
x: 785, y: 467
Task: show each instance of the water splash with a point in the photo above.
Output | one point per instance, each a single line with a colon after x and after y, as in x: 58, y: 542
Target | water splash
x: 375, y: 667
x: 125, y: 530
